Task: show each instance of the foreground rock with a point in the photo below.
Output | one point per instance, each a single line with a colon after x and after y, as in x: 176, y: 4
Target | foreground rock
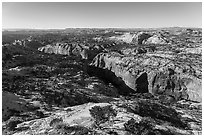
x: 116, y: 118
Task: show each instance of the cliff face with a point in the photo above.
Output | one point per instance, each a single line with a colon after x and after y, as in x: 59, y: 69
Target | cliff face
x: 141, y: 38
x: 62, y: 48
x: 155, y: 39
x: 147, y: 73
x: 72, y: 49
x: 57, y: 49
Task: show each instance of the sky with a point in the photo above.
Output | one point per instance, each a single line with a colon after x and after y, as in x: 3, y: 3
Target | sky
x: 50, y: 15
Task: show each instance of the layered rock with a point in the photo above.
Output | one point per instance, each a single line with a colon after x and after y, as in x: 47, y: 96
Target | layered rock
x: 127, y: 37
x: 60, y: 48
x: 72, y: 49
x: 148, y: 73
x: 141, y: 38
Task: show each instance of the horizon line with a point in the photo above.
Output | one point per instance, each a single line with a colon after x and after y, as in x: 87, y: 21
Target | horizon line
x: 99, y: 28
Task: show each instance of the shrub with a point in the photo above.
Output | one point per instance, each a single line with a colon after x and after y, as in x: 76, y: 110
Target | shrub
x: 102, y: 114
x: 55, y: 121
x: 144, y: 127
x: 64, y: 129
x: 13, y: 122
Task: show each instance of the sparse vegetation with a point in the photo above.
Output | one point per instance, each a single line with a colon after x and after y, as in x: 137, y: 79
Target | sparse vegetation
x: 144, y: 127
x: 102, y: 114
x: 62, y: 128
x: 13, y: 122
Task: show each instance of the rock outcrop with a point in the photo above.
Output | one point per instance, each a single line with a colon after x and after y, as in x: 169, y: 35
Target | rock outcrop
x: 113, y: 118
x: 127, y: 37
x: 143, y: 74
x: 155, y: 39
x: 141, y: 38
x: 58, y: 49
x: 72, y: 49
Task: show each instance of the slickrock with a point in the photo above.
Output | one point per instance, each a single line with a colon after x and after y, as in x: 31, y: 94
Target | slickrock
x: 118, y: 117
x: 148, y: 73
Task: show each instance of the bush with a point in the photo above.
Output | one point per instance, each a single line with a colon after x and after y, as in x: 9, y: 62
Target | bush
x: 102, y: 114
x: 55, y: 121
x: 64, y: 129
x: 144, y: 127
x: 13, y: 122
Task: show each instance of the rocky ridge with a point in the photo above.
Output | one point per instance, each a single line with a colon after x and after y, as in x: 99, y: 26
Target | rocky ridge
x: 141, y: 38
x: 150, y: 73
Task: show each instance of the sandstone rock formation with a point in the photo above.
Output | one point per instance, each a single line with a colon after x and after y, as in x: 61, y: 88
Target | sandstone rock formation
x: 141, y: 38
x: 72, y: 49
x: 143, y: 74
x: 116, y: 118
x: 127, y: 37
x: 59, y: 48
x: 155, y: 39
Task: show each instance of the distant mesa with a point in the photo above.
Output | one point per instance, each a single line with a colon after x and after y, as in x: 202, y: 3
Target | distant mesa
x: 140, y: 38
x: 72, y: 49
